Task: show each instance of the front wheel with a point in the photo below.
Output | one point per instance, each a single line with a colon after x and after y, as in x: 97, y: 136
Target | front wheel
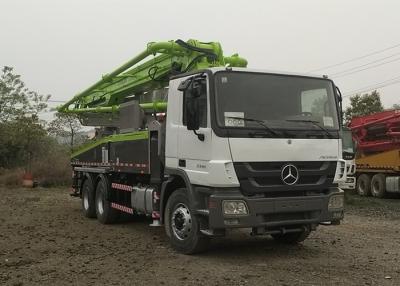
x: 182, y: 226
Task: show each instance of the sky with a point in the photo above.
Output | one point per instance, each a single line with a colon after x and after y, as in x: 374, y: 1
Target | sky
x: 60, y: 47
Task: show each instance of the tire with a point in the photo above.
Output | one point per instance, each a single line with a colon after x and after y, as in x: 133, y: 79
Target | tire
x: 104, y: 212
x: 363, y: 185
x: 182, y: 227
x: 88, y: 199
x: 378, y: 186
x: 293, y: 237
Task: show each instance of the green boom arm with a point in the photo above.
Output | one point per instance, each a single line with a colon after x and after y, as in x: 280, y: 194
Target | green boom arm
x: 138, y: 76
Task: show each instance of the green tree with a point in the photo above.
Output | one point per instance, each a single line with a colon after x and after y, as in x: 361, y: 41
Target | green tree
x: 16, y: 100
x: 396, y: 106
x: 21, y: 140
x: 20, y: 128
x: 13, y: 97
x: 66, y: 126
x: 365, y: 104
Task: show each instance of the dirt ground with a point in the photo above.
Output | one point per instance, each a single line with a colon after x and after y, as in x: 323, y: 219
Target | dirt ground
x: 45, y: 240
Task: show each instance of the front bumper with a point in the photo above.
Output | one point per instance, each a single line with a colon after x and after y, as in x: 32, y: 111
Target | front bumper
x: 273, y: 212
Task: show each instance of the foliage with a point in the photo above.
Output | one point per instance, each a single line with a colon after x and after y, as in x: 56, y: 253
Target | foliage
x: 11, y: 177
x: 20, y: 127
x: 53, y: 167
x: 16, y: 100
x: 13, y: 98
x: 363, y: 105
x: 25, y: 143
x: 21, y: 141
x: 66, y: 126
x: 396, y: 106
x: 50, y: 166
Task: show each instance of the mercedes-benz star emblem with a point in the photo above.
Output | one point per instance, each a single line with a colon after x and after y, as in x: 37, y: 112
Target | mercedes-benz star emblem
x: 289, y: 174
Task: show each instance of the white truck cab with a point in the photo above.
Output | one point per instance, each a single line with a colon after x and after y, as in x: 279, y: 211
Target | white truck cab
x: 257, y: 149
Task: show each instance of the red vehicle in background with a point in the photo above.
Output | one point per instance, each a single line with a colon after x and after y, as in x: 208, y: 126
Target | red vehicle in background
x: 377, y: 138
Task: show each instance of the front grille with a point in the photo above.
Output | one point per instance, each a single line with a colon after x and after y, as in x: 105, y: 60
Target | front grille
x: 265, y: 177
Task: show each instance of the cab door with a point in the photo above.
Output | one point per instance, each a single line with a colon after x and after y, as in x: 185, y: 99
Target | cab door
x: 194, y: 153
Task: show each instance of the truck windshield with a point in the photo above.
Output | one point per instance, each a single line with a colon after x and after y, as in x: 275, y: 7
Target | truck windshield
x: 280, y: 101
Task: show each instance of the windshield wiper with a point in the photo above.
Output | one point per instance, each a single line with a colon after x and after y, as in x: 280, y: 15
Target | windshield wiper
x: 260, y: 122
x: 314, y: 122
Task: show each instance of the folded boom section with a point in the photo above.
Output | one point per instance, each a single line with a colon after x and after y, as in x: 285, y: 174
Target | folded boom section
x: 148, y: 71
x: 377, y: 132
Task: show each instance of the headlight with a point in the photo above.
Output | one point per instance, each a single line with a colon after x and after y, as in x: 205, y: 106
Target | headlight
x: 336, y: 202
x: 234, y: 208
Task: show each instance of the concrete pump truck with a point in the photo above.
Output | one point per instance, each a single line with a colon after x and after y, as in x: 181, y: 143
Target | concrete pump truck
x: 378, y: 153
x: 202, y: 144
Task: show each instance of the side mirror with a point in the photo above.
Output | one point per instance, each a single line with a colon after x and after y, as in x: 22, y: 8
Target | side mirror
x: 192, y: 106
x: 340, y: 100
x: 348, y: 146
x: 193, y: 88
x: 192, y: 111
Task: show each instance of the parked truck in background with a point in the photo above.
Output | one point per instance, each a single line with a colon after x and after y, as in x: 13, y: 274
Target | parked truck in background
x: 378, y: 153
x: 348, y: 149
x: 202, y: 144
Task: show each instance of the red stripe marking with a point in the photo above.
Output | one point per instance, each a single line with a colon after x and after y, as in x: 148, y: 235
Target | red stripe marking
x: 121, y: 187
x: 122, y: 208
x: 137, y: 165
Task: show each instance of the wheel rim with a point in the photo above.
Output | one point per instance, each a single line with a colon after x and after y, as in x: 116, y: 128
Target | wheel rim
x: 85, y: 201
x: 100, y: 204
x: 361, y: 187
x: 181, y: 222
x: 375, y: 188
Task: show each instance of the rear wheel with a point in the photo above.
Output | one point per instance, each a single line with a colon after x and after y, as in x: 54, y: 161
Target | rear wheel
x: 105, y: 213
x: 88, y: 199
x: 293, y: 237
x: 182, y: 226
x: 364, y: 185
x: 378, y: 187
